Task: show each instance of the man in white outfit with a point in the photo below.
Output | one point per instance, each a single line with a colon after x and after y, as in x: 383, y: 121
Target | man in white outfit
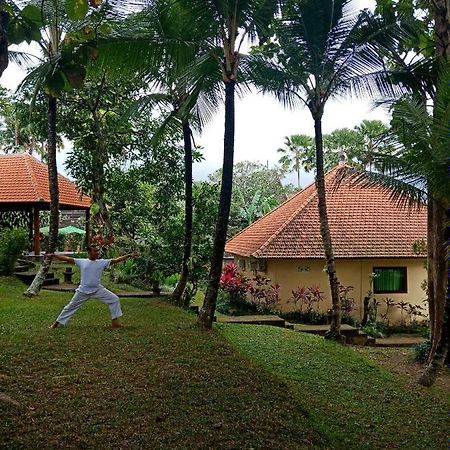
x: 91, y: 270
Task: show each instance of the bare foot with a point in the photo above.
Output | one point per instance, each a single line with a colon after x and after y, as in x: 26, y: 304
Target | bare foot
x: 55, y: 325
x: 116, y: 324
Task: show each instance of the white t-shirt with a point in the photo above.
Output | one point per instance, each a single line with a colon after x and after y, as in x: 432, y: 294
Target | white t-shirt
x: 91, y: 273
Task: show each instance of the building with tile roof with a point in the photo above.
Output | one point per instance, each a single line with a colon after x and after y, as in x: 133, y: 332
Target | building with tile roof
x: 24, y: 186
x: 371, y: 233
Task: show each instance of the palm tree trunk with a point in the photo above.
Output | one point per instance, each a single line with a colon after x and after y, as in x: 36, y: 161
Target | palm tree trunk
x: 36, y: 285
x: 438, y: 266
x: 102, y: 219
x: 181, y: 285
x: 429, y: 374
x: 334, y: 332
x: 206, y: 315
x: 439, y: 275
x: 430, y: 265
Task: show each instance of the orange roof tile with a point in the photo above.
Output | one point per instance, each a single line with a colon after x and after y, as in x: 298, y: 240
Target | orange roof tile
x: 364, y: 222
x: 24, y: 179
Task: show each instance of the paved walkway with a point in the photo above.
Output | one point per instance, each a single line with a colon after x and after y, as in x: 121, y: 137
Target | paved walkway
x: 71, y: 288
x: 255, y: 320
x: 400, y: 340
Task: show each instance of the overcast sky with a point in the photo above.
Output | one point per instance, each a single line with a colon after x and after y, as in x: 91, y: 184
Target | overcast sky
x: 261, y: 125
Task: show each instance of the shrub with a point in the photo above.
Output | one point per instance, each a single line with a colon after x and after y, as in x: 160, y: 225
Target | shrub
x: 310, y: 317
x: 234, y: 285
x: 12, y: 243
x: 421, y: 352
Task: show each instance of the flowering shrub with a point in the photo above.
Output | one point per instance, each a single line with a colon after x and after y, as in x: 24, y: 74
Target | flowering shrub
x: 233, y: 283
x: 235, y: 287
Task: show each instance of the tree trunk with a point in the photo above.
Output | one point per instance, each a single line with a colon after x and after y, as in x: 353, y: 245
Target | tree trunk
x: 334, y: 332
x: 36, y: 285
x: 430, y: 265
x: 439, y: 275
x: 4, y: 23
x: 101, y: 222
x: 439, y: 327
x: 206, y: 314
x: 181, y: 286
x: 428, y: 376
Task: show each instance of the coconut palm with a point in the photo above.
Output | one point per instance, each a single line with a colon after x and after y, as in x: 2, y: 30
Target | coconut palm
x: 59, y: 66
x: 228, y: 24
x: 417, y: 173
x: 184, y: 87
x: 323, y: 49
x: 298, y: 153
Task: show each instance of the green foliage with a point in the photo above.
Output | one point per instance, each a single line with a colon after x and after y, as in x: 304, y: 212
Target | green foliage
x: 256, y: 190
x: 421, y: 352
x: 12, y: 243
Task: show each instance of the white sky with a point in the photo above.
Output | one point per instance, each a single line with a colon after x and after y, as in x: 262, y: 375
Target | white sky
x: 261, y: 125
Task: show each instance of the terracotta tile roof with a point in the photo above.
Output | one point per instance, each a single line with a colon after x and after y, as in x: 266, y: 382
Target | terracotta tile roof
x: 364, y: 222
x: 24, y: 179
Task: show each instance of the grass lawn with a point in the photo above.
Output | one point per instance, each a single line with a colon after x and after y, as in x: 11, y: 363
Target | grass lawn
x: 160, y: 383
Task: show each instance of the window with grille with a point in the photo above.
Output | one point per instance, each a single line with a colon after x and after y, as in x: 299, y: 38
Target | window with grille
x: 389, y: 280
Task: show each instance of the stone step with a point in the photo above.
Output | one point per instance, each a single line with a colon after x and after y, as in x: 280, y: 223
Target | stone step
x: 21, y: 268
x: 28, y: 277
x: 50, y: 281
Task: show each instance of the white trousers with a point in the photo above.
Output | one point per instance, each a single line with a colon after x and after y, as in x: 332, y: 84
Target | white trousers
x: 79, y: 298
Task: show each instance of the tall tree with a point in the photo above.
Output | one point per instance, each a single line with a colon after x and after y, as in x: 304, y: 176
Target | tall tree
x: 59, y: 68
x: 421, y: 63
x: 256, y: 190
x: 228, y: 24
x: 298, y: 154
x: 322, y: 49
x: 185, y: 100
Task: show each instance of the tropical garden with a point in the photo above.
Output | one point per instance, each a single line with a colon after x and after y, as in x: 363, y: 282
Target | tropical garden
x: 128, y: 84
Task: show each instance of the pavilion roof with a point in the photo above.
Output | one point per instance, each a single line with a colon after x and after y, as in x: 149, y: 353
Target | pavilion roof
x: 24, y: 181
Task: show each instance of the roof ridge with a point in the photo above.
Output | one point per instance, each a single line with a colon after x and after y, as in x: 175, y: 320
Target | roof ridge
x: 31, y: 174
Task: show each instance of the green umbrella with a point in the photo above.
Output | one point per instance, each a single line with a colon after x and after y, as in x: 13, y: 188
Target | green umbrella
x: 66, y: 230
x: 71, y: 230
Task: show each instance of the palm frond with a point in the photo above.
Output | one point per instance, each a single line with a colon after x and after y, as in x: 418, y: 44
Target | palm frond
x: 405, y: 194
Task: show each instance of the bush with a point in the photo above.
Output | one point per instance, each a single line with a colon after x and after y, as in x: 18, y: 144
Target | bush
x: 310, y: 317
x: 12, y: 244
x: 421, y: 352
x: 172, y: 280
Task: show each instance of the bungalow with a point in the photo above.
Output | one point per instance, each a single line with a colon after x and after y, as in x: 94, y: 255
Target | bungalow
x: 370, y: 231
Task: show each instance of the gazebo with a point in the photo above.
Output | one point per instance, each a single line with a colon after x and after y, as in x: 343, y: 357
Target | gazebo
x: 24, y: 187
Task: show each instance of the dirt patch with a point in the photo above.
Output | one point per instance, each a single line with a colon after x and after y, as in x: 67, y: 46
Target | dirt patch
x: 400, y: 361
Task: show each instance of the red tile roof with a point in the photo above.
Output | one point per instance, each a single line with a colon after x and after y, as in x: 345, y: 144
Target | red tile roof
x: 24, y: 179
x: 364, y: 222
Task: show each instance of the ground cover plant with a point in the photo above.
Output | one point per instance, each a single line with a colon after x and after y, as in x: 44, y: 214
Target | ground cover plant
x: 161, y: 383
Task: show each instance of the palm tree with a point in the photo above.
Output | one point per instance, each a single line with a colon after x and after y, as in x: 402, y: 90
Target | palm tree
x: 55, y: 70
x: 228, y: 24
x: 323, y: 50
x: 184, y: 86
x: 373, y: 134
x: 298, y: 153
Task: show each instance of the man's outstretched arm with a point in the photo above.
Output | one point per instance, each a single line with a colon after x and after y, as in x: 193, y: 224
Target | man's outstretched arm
x: 123, y: 258
x: 67, y: 259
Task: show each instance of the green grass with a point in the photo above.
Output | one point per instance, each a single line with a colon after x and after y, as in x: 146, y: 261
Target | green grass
x: 160, y: 383
x: 351, y: 401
